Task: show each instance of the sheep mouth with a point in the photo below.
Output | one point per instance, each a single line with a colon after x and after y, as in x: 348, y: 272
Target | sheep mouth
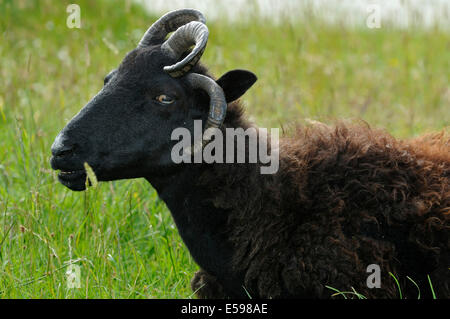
x: 70, y: 173
x: 75, y: 180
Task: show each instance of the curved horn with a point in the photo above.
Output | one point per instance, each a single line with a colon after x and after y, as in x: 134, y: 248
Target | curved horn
x: 193, y: 33
x: 168, y: 23
x: 217, y: 104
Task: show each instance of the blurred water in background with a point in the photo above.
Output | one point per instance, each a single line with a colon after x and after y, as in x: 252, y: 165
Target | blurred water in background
x: 396, y: 13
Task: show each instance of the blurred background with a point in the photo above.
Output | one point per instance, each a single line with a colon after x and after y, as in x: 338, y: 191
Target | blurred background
x: 399, y: 13
x: 315, y: 60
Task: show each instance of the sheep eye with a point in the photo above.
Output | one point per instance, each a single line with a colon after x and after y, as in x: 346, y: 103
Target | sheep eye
x: 164, y: 99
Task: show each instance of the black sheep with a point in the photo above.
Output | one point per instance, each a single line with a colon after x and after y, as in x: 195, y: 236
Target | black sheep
x: 344, y: 197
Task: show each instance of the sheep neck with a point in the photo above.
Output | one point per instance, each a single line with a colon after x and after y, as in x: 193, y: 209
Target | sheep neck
x: 202, y: 226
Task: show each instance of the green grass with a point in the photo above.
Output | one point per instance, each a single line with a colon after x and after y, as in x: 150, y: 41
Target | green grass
x: 355, y: 295
x: 120, y: 233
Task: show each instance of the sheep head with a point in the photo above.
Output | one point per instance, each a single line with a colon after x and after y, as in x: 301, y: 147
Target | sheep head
x: 125, y: 130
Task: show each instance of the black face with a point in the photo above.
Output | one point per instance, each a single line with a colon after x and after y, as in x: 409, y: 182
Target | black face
x: 125, y: 130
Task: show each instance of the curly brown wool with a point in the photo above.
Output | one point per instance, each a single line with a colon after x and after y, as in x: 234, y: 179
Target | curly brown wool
x: 345, y: 196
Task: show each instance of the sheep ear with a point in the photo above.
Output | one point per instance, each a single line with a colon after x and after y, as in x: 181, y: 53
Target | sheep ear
x: 235, y: 83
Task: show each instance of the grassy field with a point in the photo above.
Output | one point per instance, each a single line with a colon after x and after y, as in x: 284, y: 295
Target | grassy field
x: 120, y: 234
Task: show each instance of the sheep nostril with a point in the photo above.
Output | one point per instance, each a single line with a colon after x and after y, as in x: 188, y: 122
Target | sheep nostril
x: 62, y: 147
x: 63, y: 150
x: 64, y: 153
